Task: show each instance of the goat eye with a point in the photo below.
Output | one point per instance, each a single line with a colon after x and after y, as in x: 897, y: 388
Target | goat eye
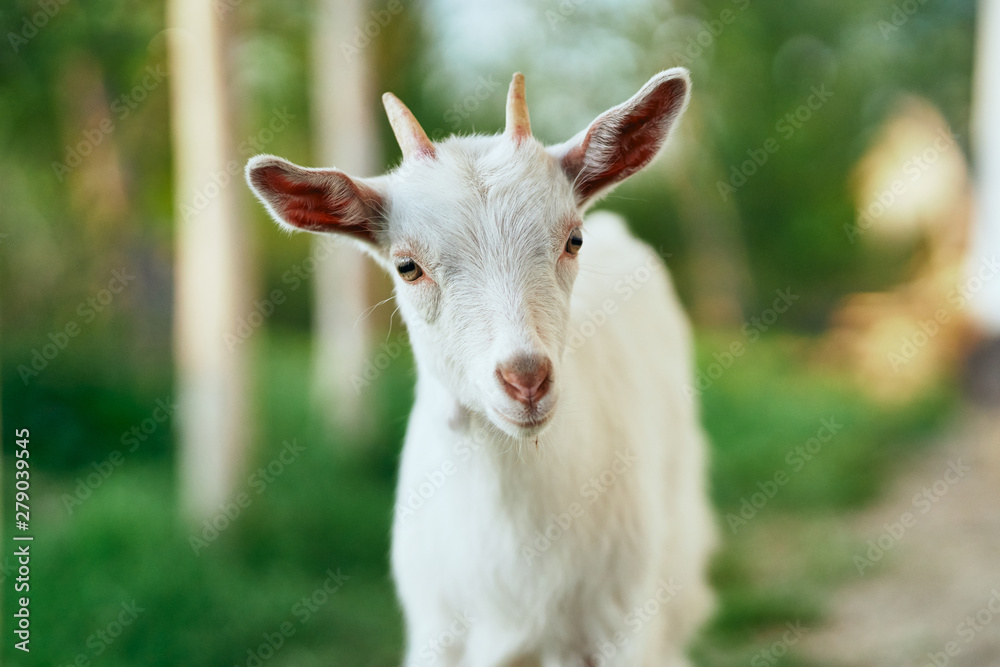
x: 575, y: 241
x: 408, y: 269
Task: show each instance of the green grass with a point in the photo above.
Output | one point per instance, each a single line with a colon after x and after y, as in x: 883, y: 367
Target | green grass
x: 330, y: 509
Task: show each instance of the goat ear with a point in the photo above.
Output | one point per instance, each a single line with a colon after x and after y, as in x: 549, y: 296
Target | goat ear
x: 316, y: 200
x: 625, y: 138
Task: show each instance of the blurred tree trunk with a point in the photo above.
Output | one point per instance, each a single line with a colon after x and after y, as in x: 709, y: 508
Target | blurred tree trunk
x: 984, y: 363
x: 344, y: 119
x: 211, y: 263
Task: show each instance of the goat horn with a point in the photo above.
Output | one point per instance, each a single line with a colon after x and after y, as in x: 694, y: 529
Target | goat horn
x: 411, y: 137
x: 518, y: 123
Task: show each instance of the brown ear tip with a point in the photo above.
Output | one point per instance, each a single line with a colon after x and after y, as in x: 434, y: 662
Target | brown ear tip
x: 255, y: 169
x: 679, y: 83
x: 674, y: 84
x: 678, y: 77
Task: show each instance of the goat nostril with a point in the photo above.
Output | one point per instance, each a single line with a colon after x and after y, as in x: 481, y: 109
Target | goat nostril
x: 526, y: 385
x: 525, y: 379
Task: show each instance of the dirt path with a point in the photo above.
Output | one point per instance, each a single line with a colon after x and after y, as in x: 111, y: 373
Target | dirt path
x: 927, y: 600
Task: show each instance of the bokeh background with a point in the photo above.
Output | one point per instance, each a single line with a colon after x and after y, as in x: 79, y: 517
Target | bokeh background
x: 216, y: 408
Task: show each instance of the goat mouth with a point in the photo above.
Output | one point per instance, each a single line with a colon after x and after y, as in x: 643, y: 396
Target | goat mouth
x: 531, y: 425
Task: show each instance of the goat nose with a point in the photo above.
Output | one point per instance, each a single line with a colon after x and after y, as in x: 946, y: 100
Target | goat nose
x: 525, y: 378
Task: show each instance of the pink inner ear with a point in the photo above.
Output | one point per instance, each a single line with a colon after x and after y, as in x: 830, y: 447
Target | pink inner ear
x: 319, y: 202
x: 630, y: 139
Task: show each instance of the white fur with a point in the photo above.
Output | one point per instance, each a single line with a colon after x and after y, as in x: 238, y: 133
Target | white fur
x: 486, y: 496
x: 577, y: 531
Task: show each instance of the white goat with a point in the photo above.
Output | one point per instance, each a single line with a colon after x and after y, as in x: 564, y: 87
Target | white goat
x: 551, y: 508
